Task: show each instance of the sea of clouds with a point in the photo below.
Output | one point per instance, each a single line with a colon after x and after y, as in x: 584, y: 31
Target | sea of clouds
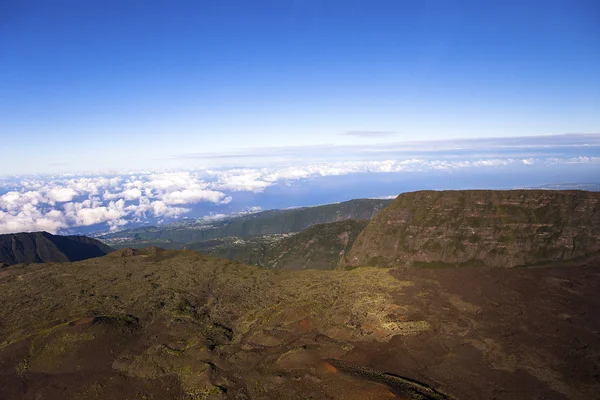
x: 55, y: 203
x: 62, y: 203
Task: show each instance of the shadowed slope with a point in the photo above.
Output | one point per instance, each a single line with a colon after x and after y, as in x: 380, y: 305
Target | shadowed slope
x: 40, y: 247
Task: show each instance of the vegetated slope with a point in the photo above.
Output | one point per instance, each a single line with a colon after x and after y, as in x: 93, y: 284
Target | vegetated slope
x: 248, y: 250
x: 40, y: 247
x: 481, y: 227
x: 181, y: 325
x: 321, y: 246
x: 263, y: 223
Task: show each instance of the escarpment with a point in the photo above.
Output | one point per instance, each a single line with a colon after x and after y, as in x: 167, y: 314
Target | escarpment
x: 481, y: 228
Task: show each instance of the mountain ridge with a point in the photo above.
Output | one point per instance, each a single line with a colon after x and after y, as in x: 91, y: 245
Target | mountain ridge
x: 41, y: 247
x: 321, y: 246
x: 179, y: 324
x: 481, y: 227
x: 269, y: 222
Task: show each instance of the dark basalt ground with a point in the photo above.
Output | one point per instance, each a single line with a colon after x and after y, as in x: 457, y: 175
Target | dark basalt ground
x: 155, y: 324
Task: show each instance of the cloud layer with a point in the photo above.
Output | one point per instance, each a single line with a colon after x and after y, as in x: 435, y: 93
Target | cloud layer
x: 54, y: 204
x: 563, y: 146
x: 60, y: 203
x: 369, y: 134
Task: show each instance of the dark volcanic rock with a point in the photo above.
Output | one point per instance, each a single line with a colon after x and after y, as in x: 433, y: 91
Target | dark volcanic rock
x: 40, y: 247
x: 182, y: 325
x: 481, y: 227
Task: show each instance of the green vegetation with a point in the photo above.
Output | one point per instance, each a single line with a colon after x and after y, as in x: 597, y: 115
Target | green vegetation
x: 494, y: 228
x: 273, y: 222
x: 40, y: 247
x: 162, y: 324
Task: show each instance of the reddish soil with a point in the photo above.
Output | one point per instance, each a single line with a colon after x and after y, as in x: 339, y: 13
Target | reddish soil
x: 521, y: 333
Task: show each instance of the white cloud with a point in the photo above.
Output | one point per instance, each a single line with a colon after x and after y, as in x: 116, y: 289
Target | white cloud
x: 257, y: 180
x: 160, y: 209
x: 493, y: 163
x: 110, y: 196
x: 192, y: 196
x: 47, y: 204
x: 61, y: 195
x: 29, y: 219
x: 369, y: 134
x: 15, y: 201
x: 573, y: 160
x: 131, y: 194
x: 584, y: 160
x: 83, y: 214
x: 171, y: 181
x: 242, y: 180
x: 61, y: 202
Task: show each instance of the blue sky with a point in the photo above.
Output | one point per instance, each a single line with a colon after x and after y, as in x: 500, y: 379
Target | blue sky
x: 116, y: 113
x: 87, y: 85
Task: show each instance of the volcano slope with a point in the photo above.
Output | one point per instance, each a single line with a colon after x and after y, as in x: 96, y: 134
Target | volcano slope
x: 321, y: 246
x: 155, y: 324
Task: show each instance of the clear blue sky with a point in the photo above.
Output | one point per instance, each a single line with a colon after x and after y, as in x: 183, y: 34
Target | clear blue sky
x: 98, y: 84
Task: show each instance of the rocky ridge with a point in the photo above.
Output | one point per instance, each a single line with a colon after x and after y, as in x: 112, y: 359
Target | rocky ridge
x: 481, y: 228
x: 41, y: 247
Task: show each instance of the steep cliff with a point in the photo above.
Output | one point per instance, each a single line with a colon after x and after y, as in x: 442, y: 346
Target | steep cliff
x: 481, y: 227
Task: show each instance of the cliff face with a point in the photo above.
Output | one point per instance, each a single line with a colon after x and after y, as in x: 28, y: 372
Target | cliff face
x: 40, y: 247
x: 480, y: 227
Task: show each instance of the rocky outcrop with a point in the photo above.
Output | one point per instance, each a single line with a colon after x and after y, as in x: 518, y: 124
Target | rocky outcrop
x: 41, y: 247
x: 481, y: 227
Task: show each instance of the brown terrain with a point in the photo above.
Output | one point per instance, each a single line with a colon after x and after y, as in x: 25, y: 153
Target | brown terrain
x: 157, y: 324
x: 181, y: 325
x: 497, y: 228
